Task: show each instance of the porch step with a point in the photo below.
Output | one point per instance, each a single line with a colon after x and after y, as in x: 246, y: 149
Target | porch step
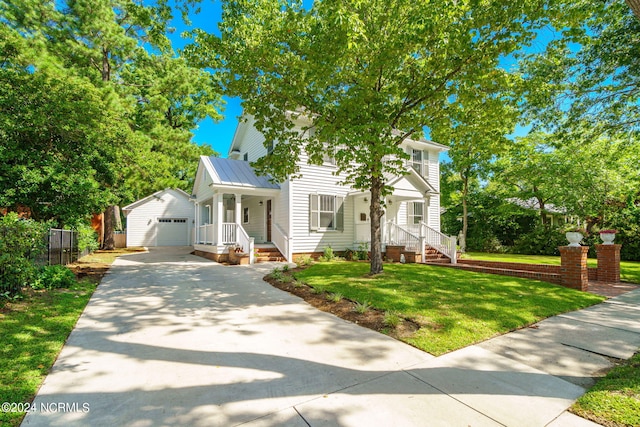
x: 268, y: 253
x: 432, y: 255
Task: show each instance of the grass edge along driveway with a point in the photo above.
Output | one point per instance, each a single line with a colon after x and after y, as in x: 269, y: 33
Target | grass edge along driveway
x: 454, y: 308
x: 34, y: 329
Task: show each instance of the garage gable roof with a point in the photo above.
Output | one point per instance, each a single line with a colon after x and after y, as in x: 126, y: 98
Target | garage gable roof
x: 156, y: 195
x: 237, y: 173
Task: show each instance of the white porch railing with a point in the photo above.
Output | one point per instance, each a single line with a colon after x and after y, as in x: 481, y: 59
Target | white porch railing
x: 228, y: 233
x: 280, y: 240
x: 206, y: 234
x: 243, y: 239
x: 443, y: 243
x: 397, y: 235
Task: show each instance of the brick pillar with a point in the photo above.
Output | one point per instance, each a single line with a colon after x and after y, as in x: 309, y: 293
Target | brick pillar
x: 608, y: 263
x: 574, y: 267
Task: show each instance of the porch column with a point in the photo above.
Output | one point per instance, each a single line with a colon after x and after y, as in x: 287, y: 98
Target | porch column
x: 238, y: 208
x: 218, y: 216
x: 196, y: 218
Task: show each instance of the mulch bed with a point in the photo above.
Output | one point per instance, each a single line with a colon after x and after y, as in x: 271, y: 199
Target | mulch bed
x: 345, y: 308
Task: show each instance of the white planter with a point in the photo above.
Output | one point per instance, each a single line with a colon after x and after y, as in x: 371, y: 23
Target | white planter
x: 607, y: 238
x: 574, y: 238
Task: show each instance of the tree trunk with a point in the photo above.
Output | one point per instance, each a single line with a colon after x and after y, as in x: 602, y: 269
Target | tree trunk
x: 375, y: 213
x: 635, y: 7
x: 465, y: 212
x: 109, y: 227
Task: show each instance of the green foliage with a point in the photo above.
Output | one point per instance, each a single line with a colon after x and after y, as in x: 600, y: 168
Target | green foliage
x: 362, y: 307
x: 391, y: 319
x: 366, y: 76
x: 614, y: 399
x: 363, y: 251
x: 54, y: 277
x: 32, y: 332
x: 21, y: 241
x: 87, y: 238
x: 335, y: 297
x: 327, y: 254
x: 276, y: 274
x: 350, y: 255
x: 304, y: 260
x: 318, y: 290
x: 540, y: 241
x: 96, y: 106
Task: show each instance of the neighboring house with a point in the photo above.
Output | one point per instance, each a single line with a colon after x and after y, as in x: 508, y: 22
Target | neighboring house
x: 555, y: 216
x: 165, y: 218
x: 234, y: 206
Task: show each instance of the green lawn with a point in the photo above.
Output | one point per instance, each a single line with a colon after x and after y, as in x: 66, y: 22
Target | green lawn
x: 32, y: 332
x: 615, y: 399
x: 629, y: 270
x: 455, y: 308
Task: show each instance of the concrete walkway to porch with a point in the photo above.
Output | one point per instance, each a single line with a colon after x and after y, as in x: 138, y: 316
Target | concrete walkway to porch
x: 173, y: 339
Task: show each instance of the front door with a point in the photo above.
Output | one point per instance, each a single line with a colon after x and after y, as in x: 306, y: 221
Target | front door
x: 268, y: 220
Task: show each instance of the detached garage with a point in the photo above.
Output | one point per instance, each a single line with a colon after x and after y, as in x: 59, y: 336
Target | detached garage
x: 164, y: 218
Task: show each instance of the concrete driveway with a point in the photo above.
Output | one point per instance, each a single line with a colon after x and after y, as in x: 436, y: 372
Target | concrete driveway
x: 170, y: 339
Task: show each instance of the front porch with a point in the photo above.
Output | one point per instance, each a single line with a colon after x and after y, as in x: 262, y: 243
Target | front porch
x: 233, y: 209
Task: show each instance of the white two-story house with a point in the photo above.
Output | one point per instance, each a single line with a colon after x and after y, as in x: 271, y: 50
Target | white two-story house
x: 236, y: 208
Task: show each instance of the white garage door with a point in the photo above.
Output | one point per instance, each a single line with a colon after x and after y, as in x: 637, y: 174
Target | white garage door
x: 172, y: 232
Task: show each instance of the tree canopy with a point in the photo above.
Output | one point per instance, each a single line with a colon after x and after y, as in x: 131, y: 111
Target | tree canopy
x: 369, y: 74
x: 121, y: 104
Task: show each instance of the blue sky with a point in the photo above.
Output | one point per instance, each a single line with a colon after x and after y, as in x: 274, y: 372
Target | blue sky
x: 220, y: 134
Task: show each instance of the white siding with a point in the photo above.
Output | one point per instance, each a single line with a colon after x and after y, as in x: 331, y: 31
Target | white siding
x: 281, y: 207
x: 142, y: 220
x: 319, y: 180
x: 251, y: 142
x: 256, y: 226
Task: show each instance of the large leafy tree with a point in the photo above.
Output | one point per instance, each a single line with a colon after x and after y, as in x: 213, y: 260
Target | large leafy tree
x: 58, y: 145
x: 368, y: 74
x: 589, y: 73
x: 121, y: 49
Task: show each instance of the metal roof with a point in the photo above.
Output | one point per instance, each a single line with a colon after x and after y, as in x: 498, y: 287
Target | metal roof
x: 238, y: 173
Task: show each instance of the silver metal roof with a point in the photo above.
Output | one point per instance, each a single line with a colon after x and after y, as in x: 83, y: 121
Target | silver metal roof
x: 239, y: 173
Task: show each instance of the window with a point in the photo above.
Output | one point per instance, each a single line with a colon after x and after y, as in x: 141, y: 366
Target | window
x: 415, y: 212
x: 326, y: 212
x: 246, y: 157
x: 416, y: 161
x: 328, y: 157
x: 245, y: 215
x: 269, y: 145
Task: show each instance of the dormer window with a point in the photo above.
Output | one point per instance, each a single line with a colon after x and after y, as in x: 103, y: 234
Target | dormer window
x: 418, y: 161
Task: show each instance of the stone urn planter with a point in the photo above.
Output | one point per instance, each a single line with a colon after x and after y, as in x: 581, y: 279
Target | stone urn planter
x: 608, y: 236
x: 574, y: 238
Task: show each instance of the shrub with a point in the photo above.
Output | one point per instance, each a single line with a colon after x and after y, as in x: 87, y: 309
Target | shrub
x: 21, y: 242
x: 54, y: 277
x: 391, y: 319
x: 337, y: 297
x: 328, y: 254
x: 363, y: 251
x: 540, y: 241
x: 276, y: 274
x: 350, y: 255
x: 87, y: 238
x: 362, y: 307
x: 304, y: 260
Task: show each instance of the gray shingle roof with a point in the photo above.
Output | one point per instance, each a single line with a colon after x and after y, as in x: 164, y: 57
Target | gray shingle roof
x: 239, y: 173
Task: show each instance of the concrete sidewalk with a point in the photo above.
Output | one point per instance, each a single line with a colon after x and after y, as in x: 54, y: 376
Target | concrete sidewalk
x: 170, y: 339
